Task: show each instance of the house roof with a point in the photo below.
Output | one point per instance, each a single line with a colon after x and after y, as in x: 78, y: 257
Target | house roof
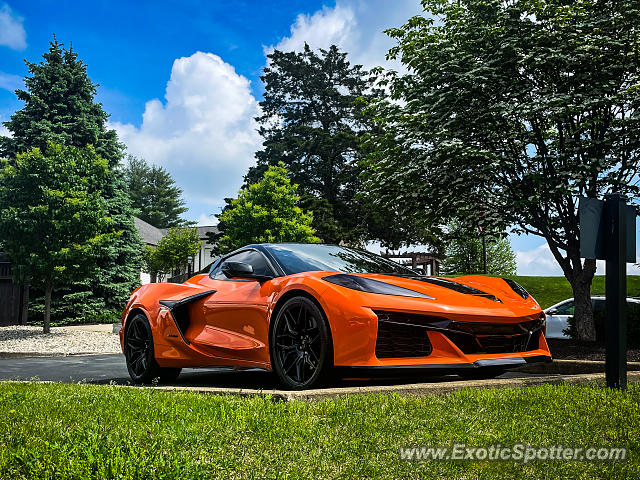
x: 148, y: 233
x: 202, y: 231
x: 152, y: 235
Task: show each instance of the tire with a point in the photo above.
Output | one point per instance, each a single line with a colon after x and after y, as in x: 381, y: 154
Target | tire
x: 482, y: 373
x: 139, y: 353
x: 300, y: 344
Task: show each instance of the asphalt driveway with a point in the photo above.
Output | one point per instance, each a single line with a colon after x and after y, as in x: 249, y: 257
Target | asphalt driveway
x: 102, y: 369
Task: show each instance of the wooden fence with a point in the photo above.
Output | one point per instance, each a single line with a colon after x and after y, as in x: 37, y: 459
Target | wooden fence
x: 14, y: 298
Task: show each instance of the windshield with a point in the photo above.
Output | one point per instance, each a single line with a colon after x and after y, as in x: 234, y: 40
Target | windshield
x: 296, y: 258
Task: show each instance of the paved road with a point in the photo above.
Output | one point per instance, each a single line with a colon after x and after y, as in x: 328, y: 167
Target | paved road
x: 101, y: 369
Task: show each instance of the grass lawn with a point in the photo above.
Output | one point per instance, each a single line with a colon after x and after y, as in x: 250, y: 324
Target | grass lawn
x: 551, y: 290
x: 86, y: 431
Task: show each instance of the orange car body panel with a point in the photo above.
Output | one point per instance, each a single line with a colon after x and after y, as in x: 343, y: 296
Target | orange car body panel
x: 230, y: 327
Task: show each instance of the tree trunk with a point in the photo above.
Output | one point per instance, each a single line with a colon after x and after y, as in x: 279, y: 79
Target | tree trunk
x: 579, y: 274
x: 48, y: 288
x: 580, y: 280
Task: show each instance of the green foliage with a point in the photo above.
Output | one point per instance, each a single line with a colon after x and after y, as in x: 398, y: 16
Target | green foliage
x: 266, y: 211
x: 59, y: 106
x: 53, y: 222
x: 464, y: 253
x: 312, y: 120
x: 172, y: 252
x: 509, y: 112
x: 59, y: 431
x: 154, y: 194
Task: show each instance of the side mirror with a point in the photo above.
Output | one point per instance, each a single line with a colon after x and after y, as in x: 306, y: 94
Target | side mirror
x: 241, y: 270
x: 553, y: 311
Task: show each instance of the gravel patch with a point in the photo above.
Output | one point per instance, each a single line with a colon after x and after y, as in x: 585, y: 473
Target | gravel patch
x: 61, y: 341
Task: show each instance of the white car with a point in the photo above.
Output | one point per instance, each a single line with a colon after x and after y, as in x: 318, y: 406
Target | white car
x: 558, y: 314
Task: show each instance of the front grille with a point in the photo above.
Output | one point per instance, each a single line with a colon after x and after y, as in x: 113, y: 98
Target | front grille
x: 397, y: 340
x: 484, y: 337
x: 405, y: 335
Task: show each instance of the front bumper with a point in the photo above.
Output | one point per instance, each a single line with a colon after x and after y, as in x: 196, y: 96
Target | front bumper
x: 442, y: 368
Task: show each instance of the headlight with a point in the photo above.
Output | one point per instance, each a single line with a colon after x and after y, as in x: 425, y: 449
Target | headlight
x: 369, y: 285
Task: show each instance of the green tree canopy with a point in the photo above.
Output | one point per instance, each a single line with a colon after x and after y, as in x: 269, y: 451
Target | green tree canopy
x: 312, y: 120
x: 509, y: 112
x: 463, y: 253
x: 172, y: 252
x: 266, y: 211
x: 59, y: 107
x: 53, y: 222
x: 154, y: 194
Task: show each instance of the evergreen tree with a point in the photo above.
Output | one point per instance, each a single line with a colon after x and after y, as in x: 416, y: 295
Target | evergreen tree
x: 312, y: 120
x: 154, y: 194
x: 59, y: 107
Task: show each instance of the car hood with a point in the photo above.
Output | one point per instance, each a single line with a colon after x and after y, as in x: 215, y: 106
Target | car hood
x: 471, y: 294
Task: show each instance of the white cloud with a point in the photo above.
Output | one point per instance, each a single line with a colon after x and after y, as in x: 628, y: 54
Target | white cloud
x: 353, y: 25
x: 10, y: 82
x: 540, y: 261
x: 12, y: 32
x: 203, y: 133
x: 4, y: 131
x: 205, y: 220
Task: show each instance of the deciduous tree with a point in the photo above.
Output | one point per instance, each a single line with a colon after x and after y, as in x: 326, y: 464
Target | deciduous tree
x: 509, y: 113
x: 463, y: 253
x: 266, y: 211
x: 172, y: 252
x: 53, y: 222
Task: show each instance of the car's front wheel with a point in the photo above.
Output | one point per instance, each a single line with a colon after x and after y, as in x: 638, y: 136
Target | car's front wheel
x: 300, y: 344
x: 139, y: 354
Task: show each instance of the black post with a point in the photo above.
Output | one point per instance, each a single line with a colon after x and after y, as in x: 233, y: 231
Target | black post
x: 616, y: 290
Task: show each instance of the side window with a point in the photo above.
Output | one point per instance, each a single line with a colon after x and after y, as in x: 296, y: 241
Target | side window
x: 566, y: 308
x: 253, y: 258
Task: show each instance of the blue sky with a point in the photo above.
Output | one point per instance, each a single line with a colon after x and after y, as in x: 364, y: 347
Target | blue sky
x: 181, y: 79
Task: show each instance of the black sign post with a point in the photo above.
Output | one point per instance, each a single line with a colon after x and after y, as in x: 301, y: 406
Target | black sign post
x: 607, y: 232
x: 615, y: 206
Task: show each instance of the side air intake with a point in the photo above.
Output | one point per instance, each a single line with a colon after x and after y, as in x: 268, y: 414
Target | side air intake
x: 180, y: 310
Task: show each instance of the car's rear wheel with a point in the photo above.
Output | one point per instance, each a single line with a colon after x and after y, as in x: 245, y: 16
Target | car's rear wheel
x: 139, y: 353
x: 300, y: 344
x: 482, y: 373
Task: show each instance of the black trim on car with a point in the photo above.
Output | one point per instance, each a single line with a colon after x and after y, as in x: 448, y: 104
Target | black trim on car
x: 180, y: 314
x: 252, y: 248
x: 455, y: 286
x: 444, y: 368
x: 516, y: 287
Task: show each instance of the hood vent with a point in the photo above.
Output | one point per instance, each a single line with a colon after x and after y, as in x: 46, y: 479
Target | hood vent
x: 457, y: 287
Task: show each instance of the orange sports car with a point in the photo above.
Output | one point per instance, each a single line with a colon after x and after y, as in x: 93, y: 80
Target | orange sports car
x: 305, y: 311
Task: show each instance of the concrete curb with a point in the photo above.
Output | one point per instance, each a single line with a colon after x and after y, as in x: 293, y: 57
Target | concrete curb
x: 413, y: 390
x: 571, y: 367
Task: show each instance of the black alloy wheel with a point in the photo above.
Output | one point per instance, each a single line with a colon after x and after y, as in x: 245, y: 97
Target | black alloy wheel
x: 139, y: 353
x: 300, y: 344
